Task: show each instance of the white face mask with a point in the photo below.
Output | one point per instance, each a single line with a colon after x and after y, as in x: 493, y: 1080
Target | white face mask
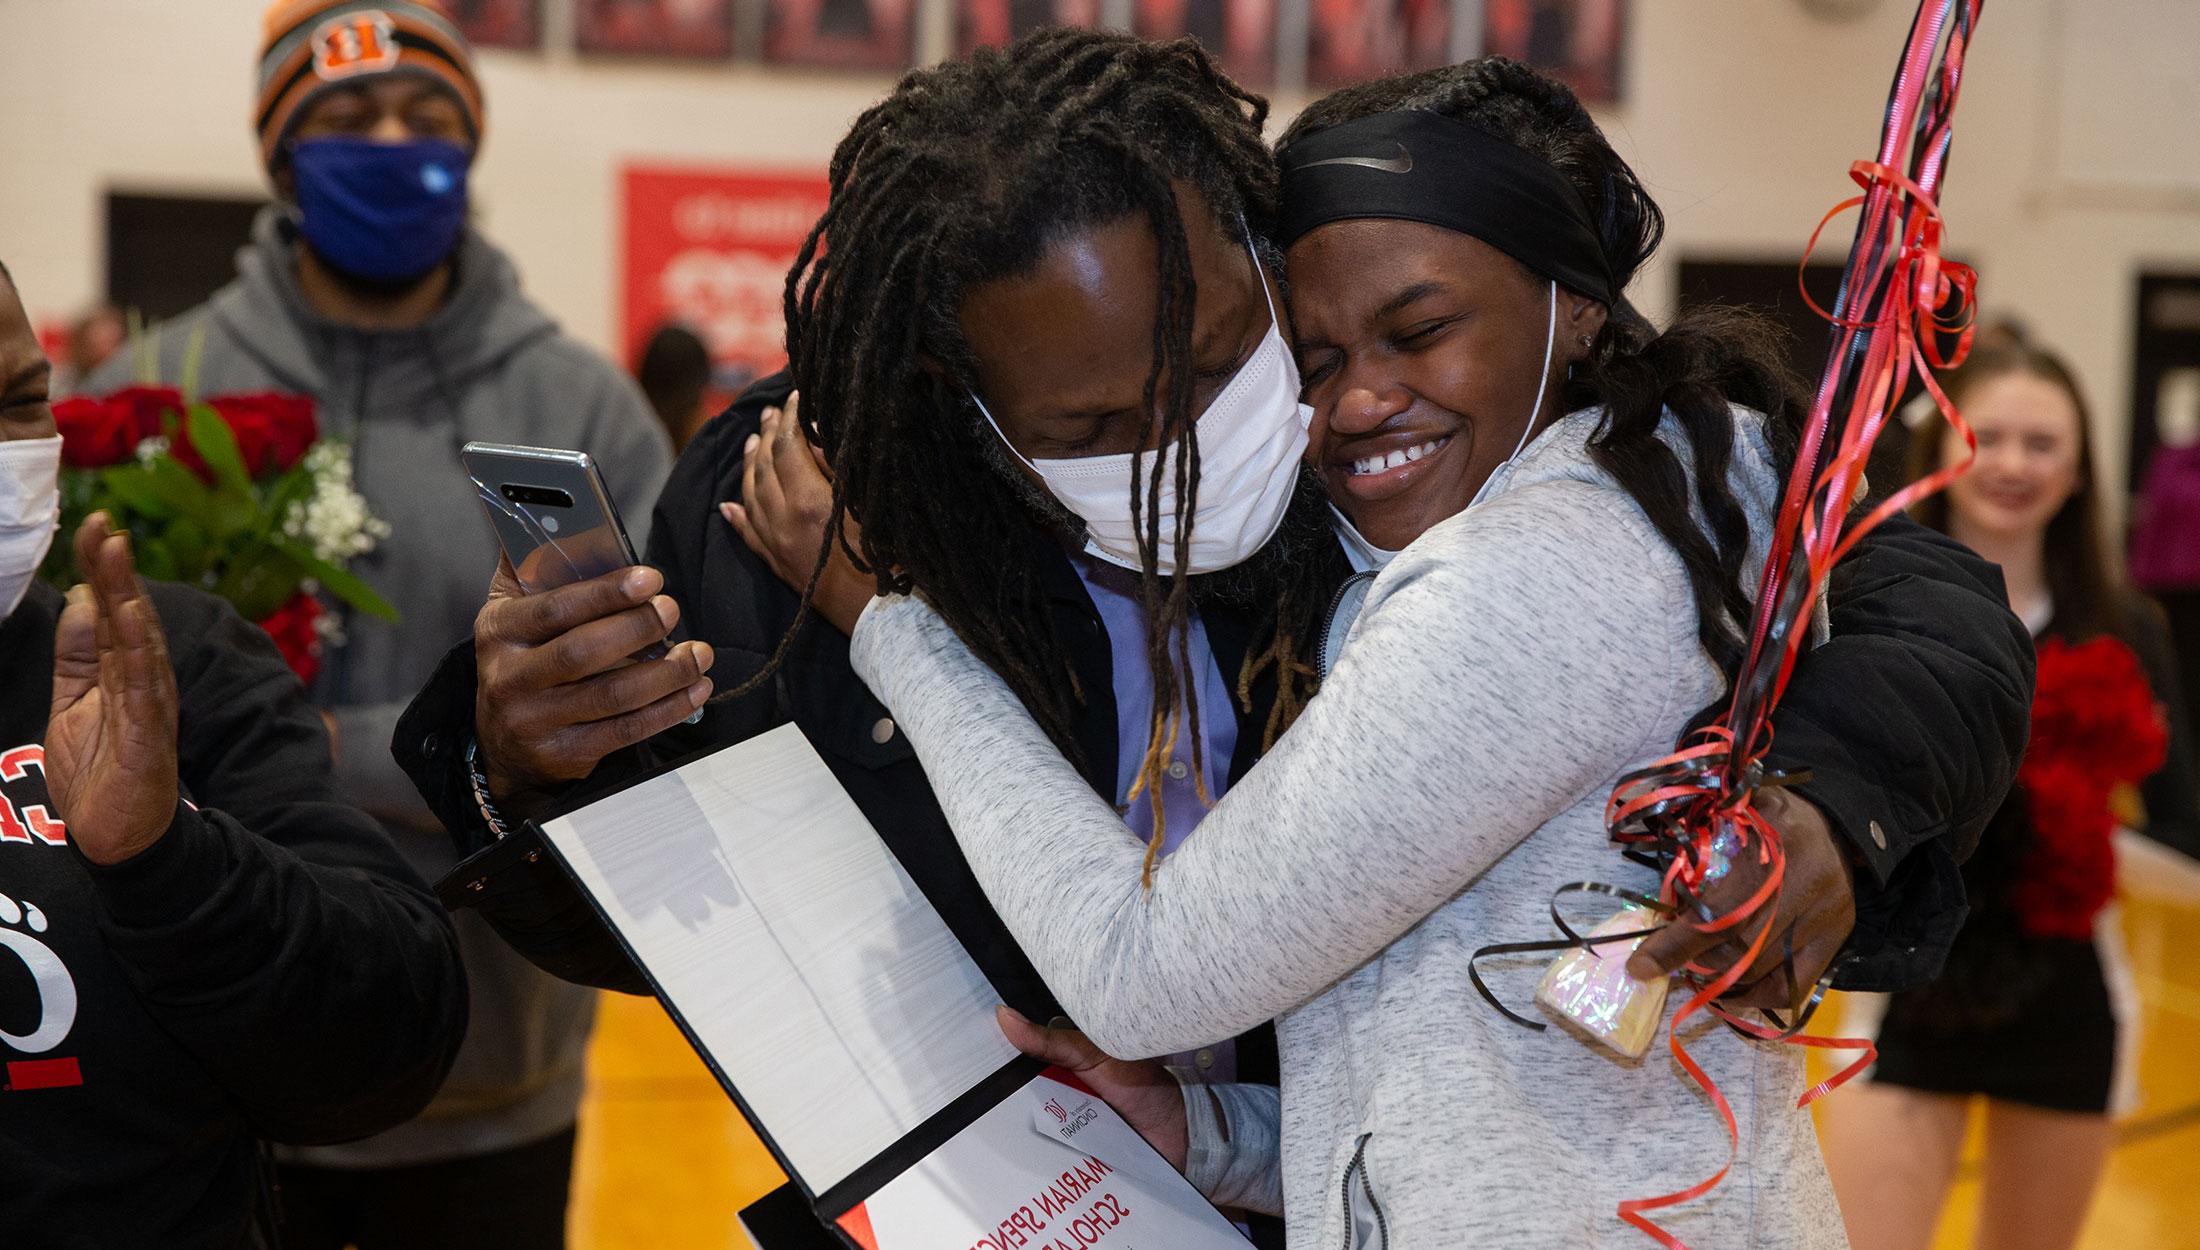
x: 1250, y: 440
x: 30, y: 512
x: 1365, y: 555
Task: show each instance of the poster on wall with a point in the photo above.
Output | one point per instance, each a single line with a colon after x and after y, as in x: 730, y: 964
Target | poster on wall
x: 1574, y: 41
x: 996, y: 23
x: 1351, y: 41
x: 664, y: 28
x: 840, y: 34
x: 709, y: 249
x: 499, y: 23
x: 1240, y: 33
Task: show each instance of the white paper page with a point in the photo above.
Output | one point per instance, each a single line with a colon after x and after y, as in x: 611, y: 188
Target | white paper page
x: 800, y: 954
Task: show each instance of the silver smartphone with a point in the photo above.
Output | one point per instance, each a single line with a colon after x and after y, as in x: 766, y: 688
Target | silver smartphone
x: 553, y: 517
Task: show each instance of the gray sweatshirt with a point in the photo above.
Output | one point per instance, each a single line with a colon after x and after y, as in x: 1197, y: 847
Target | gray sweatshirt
x: 489, y: 365
x: 1505, y: 670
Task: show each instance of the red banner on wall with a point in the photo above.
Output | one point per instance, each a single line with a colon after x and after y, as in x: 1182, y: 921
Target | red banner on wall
x: 709, y: 249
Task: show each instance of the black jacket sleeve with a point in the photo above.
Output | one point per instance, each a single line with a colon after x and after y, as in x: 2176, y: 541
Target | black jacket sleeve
x: 2172, y: 794
x: 276, y: 934
x: 515, y: 883
x: 1912, y: 719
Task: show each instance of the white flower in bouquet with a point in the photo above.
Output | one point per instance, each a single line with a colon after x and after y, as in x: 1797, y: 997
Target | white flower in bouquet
x: 334, y: 519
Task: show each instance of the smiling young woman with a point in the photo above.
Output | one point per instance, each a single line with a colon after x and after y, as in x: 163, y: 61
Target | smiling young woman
x: 2027, y: 1018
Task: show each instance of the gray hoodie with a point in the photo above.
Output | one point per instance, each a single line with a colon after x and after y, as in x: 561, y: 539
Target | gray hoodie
x: 489, y: 365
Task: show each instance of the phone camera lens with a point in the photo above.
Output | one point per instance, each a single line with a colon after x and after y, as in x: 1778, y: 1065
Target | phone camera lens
x: 539, y: 496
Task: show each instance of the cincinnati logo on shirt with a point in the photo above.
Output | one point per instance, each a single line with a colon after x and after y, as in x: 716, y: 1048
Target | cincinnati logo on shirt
x: 356, y: 43
x: 21, y: 927
x: 24, y: 936
x: 28, y: 822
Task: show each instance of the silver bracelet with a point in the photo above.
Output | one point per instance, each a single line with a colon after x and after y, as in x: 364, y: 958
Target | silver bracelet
x: 489, y: 814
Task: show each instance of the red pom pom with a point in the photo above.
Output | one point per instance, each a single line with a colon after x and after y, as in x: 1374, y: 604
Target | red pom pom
x: 292, y: 628
x: 2095, y: 724
x: 2093, y: 705
x: 2069, y: 872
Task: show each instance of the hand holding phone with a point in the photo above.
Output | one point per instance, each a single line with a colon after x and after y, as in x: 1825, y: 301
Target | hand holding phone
x: 571, y: 645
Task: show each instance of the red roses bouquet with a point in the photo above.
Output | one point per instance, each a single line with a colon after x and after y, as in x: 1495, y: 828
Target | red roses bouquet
x: 237, y: 494
x: 2095, y: 726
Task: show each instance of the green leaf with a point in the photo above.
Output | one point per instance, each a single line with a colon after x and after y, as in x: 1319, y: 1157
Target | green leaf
x: 153, y: 559
x: 218, y: 447
x: 293, y: 487
x: 258, y: 581
x: 194, y: 351
x: 132, y: 486
x: 187, y: 546
x: 339, y: 583
x: 232, y: 514
x: 181, y: 490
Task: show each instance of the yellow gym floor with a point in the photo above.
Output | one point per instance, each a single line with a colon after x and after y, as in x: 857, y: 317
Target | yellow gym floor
x: 665, y: 1161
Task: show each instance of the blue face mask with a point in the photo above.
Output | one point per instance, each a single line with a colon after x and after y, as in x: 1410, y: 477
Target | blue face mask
x: 383, y: 212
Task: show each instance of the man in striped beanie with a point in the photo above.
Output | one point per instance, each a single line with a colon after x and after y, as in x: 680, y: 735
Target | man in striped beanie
x: 366, y: 287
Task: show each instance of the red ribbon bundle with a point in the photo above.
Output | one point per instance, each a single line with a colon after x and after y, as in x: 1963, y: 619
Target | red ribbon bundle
x: 1897, y: 297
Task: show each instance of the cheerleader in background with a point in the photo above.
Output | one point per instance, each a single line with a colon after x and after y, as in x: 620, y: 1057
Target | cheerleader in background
x: 2029, y: 1009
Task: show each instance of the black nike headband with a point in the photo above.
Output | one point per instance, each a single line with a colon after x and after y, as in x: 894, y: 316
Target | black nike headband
x: 1420, y: 166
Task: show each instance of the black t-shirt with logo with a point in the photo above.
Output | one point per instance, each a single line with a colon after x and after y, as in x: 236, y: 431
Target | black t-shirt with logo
x: 269, y: 969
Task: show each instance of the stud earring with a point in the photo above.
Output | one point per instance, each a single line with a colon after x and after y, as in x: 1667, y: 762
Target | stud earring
x: 1585, y: 340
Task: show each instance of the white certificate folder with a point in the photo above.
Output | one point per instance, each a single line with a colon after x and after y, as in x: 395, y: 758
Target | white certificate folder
x: 847, y: 1023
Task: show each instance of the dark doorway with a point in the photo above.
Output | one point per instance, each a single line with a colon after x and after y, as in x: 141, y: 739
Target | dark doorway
x: 1770, y: 287
x: 167, y: 253
x: 2165, y: 359
x: 2168, y: 342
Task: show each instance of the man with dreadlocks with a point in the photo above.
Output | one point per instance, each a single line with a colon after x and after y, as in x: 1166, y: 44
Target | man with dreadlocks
x: 943, y: 196
x: 1002, y: 335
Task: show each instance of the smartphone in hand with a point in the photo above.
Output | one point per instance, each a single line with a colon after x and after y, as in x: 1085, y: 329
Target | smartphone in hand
x: 552, y: 515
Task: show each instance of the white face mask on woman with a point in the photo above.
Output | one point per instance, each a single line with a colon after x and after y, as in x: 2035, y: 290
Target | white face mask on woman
x: 1250, y: 440
x: 30, y: 512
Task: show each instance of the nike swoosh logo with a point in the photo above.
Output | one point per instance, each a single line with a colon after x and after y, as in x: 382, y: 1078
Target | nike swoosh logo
x: 1399, y: 164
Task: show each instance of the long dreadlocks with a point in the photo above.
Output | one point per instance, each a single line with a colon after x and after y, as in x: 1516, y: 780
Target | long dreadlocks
x: 965, y: 175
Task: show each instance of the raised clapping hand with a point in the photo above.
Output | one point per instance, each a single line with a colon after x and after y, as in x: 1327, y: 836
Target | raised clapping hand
x: 111, y: 736
x: 1816, y: 905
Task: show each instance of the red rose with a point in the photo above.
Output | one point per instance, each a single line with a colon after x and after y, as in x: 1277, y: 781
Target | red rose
x: 292, y: 628
x: 95, y: 433
x: 282, y: 426
x: 146, y: 409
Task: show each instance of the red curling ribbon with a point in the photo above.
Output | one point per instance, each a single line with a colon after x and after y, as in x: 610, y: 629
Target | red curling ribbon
x: 1898, y: 299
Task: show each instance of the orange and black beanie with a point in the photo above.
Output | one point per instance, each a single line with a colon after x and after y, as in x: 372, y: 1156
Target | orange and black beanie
x: 313, y: 46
